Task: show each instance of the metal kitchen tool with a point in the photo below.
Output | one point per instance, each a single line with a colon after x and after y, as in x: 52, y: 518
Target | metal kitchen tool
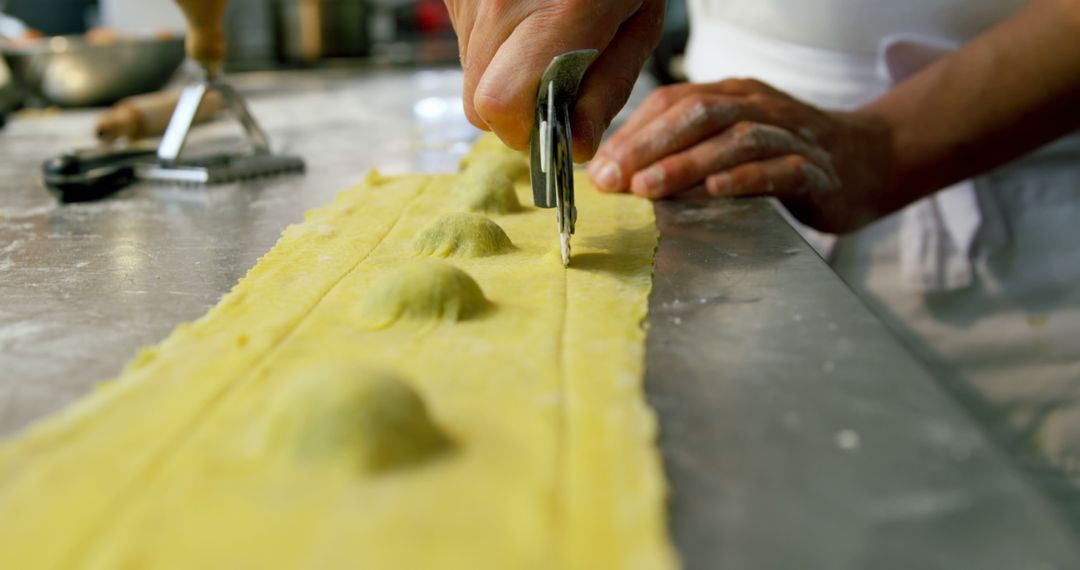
x: 71, y: 71
x: 91, y: 174
x: 206, y: 45
x: 85, y: 175
x: 212, y: 169
x: 551, y: 142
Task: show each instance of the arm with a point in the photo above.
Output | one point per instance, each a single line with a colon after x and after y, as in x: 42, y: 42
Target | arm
x: 1003, y: 94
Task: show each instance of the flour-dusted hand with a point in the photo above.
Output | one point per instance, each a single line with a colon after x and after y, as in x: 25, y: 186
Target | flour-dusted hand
x: 507, y: 44
x: 743, y: 137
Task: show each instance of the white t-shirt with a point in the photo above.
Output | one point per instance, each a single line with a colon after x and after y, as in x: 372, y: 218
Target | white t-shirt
x: 857, y: 26
x: 824, y: 51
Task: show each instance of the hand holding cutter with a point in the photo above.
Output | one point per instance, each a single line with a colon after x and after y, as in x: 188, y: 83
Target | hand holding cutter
x: 551, y: 142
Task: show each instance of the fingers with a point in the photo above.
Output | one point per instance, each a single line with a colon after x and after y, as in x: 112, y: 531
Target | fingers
x: 743, y: 143
x: 506, y: 46
x: 607, y: 174
x: 744, y: 87
x: 480, y: 34
x: 685, y: 134
x: 664, y: 98
x: 790, y: 175
x: 657, y: 103
x: 611, y: 77
x: 505, y: 96
x: 692, y: 119
x: 676, y: 117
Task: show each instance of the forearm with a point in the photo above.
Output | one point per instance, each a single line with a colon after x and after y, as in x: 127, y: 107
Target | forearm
x: 1003, y: 94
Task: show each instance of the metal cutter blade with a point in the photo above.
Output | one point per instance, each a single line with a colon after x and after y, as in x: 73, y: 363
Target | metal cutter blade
x: 552, y: 160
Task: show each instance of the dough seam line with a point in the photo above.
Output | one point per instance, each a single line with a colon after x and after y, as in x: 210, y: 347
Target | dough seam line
x: 562, y: 452
x: 157, y: 463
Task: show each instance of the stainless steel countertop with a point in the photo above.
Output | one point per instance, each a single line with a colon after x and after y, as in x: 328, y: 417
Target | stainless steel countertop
x: 797, y: 432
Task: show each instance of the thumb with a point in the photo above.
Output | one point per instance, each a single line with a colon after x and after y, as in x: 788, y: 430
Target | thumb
x: 505, y: 96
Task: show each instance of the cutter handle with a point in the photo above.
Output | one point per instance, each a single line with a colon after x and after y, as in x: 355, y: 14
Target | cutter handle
x: 206, y: 36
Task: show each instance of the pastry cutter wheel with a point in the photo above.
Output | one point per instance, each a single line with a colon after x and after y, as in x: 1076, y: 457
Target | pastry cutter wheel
x: 552, y: 160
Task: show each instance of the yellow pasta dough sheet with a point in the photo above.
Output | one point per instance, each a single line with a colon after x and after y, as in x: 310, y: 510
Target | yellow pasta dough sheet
x: 409, y: 379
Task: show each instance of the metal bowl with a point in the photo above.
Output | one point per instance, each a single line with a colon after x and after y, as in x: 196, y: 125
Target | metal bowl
x: 68, y: 71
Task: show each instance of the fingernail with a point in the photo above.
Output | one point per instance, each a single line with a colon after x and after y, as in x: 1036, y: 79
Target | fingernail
x: 592, y: 168
x: 651, y: 182
x: 608, y: 175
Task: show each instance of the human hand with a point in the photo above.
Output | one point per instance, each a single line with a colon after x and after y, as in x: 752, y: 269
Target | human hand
x: 506, y: 46
x: 742, y: 137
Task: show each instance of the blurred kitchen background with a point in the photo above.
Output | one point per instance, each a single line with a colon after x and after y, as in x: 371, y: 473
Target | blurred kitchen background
x: 94, y: 53
x: 269, y: 34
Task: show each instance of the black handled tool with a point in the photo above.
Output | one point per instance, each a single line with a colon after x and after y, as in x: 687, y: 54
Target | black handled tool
x: 92, y: 174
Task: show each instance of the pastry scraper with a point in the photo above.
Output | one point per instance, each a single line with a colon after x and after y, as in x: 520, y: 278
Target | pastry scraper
x: 206, y: 45
x: 552, y: 161
x: 95, y: 173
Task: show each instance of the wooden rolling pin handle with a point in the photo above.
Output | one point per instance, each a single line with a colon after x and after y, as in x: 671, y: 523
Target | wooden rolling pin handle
x: 205, y: 36
x: 148, y: 115
x: 122, y: 121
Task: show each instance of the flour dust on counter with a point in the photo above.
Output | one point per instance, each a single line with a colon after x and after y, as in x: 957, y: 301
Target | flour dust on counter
x: 406, y: 380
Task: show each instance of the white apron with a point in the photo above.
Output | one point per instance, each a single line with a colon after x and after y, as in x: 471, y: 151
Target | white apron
x: 982, y: 279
